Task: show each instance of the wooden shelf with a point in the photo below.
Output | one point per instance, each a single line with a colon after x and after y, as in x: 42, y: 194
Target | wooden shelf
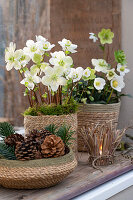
x: 81, y: 180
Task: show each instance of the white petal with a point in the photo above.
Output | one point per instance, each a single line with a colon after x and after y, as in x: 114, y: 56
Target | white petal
x: 62, y: 81
x: 46, y: 80
x: 9, y: 66
x: 29, y: 43
x: 54, y: 86
x: 36, y: 79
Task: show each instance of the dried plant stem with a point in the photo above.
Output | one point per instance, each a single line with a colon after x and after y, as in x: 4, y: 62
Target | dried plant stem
x: 40, y: 93
x: 101, y: 141
x: 36, y: 99
x: 60, y: 95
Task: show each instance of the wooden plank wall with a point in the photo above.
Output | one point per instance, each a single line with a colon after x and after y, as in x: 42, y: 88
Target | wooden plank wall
x: 55, y: 19
x: 76, y: 19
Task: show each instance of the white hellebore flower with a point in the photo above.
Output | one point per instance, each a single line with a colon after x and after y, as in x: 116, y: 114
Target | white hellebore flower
x: 99, y: 83
x: 35, y: 69
x: 100, y: 65
x: 40, y: 38
x: 53, y: 78
x: 86, y: 73
x: 75, y: 74
x: 60, y: 59
x: 93, y: 37
x: 31, y: 49
x: 68, y: 46
x: 12, y: 57
x: 24, y: 59
x: 117, y: 83
x: 122, y: 69
x: 30, y: 80
x: 12, y: 47
x: 43, y: 44
x: 111, y: 74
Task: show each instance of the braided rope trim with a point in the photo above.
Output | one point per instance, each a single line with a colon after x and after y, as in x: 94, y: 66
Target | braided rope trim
x: 95, y: 113
x: 31, y: 178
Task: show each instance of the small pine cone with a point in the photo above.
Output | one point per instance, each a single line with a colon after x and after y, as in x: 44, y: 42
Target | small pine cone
x: 12, y: 139
x: 52, y: 146
x: 38, y: 135
x: 25, y: 150
x: 38, y: 155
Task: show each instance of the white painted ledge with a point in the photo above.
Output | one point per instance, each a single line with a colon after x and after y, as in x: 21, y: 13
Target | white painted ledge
x: 108, y: 189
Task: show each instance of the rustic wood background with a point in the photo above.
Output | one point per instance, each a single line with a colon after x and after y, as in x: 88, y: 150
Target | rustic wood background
x: 55, y: 20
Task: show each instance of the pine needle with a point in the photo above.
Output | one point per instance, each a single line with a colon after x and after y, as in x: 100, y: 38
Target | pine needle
x: 7, y: 152
x: 6, y: 129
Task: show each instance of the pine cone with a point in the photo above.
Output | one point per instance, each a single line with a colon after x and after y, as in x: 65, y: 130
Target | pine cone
x: 12, y: 139
x: 25, y: 150
x: 38, y: 155
x: 38, y: 136
x: 52, y: 146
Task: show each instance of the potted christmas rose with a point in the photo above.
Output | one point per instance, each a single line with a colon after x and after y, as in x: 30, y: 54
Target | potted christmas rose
x: 100, y: 91
x: 48, y: 79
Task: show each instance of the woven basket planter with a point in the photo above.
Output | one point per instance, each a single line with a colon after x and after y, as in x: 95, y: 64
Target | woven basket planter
x: 39, y: 122
x: 35, y: 174
x: 95, y: 113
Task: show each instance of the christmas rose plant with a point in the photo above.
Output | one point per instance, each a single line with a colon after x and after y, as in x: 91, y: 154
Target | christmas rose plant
x: 49, y: 77
x: 104, y: 81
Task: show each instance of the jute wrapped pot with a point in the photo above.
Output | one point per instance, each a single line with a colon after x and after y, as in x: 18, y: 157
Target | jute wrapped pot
x: 35, y: 174
x: 39, y: 122
x: 95, y: 113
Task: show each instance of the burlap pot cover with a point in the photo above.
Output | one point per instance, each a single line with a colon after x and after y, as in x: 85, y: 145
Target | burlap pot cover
x: 95, y: 113
x: 35, y: 174
x: 39, y: 122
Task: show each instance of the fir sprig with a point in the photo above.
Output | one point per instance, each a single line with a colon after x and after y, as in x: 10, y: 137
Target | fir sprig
x: 64, y: 132
x: 7, y: 152
x: 6, y: 129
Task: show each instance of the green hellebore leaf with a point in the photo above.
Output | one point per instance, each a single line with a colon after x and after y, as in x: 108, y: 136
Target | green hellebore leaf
x: 69, y: 81
x: 35, y: 89
x: 52, y: 93
x: 120, y: 57
x: 37, y: 58
x: 106, y: 36
x: 33, y: 98
x: 21, y: 71
x: 90, y: 87
x: 80, y: 83
x: 34, y: 69
x: 102, y: 47
x: 88, y: 92
x: 45, y: 95
x: 83, y: 100
x: 46, y: 54
x: 67, y: 52
x: 72, y: 65
x: 26, y: 84
x: 92, y: 75
x: 91, y: 98
x: 25, y: 69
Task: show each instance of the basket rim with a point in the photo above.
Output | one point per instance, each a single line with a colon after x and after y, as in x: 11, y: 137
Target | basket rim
x: 45, y: 162
x: 70, y: 114
x: 98, y: 104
